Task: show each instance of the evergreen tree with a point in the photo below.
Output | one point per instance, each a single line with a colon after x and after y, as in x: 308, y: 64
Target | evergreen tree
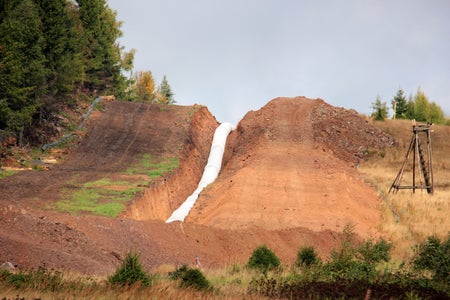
x: 165, y: 93
x: 102, y: 53
x: 399, y: 105
x: 410, y: 108
x: 22, y: 65
x: 62, y: 48
x: 380, y: 110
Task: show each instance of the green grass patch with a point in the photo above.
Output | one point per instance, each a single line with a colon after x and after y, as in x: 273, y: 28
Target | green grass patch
x: 154, y: 167
x: 4, y: 173
x: 102, y: 197
x: 105, y: 182
x: 106, y: 197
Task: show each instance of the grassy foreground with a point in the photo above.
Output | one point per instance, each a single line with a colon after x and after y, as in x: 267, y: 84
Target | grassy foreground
x: 353, y: 271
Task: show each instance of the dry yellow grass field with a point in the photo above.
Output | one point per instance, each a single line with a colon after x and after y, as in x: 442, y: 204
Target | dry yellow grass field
x: 408, y: 218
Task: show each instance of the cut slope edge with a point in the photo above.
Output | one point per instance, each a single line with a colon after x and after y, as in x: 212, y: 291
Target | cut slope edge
x: 210, y: 173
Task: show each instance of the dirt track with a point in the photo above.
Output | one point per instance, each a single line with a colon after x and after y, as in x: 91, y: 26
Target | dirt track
x: 288, y: 180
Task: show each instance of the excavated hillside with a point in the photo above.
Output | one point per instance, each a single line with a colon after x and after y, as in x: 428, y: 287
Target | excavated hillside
x: 288, y: 180
x: 291, y: 164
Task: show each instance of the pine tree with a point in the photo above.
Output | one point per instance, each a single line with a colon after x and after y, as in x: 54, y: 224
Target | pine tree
x: 399, y: 105
x: 22, y: 68
x: 165, y: 93
x: 380, y: 110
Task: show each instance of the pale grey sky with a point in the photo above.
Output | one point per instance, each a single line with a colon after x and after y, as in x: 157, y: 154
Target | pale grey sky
x: 235, y: 55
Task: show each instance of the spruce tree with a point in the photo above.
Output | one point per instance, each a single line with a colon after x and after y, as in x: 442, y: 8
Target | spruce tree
x: 399, y: 104
x: 165, y: 93
x: 62, y: 48
x: 102, y: 53
x: 22, y: 68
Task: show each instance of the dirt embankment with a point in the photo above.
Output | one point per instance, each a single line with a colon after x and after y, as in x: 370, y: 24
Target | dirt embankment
x: 288, y: 180
x: 291, y: 164
x: 161, y: 199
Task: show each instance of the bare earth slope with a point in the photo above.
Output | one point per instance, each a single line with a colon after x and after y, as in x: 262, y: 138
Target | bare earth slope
x: 285, y: 171
x: 288, y: 180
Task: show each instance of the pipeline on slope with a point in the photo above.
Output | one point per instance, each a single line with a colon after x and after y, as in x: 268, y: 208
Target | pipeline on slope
x: 68, y: 136
x: 210, y: 172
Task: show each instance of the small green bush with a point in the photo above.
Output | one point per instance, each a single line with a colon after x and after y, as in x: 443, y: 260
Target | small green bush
x: 353, y: 262
x: 264, y: 259
x: 190, y: 278
x: 195, y: 278
x: 130, y: 272
x: 178, y: 273
x: 434, y: 255
x: 307, y: 256
x: 374, y: 253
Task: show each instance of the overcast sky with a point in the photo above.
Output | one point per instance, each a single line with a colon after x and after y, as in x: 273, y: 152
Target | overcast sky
x: 235, y: 55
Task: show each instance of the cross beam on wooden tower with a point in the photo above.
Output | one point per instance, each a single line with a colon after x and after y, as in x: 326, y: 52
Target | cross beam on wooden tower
x: 419, y: 165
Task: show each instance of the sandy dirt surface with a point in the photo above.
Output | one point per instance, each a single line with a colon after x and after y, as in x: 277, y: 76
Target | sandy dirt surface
x: 288, y: 180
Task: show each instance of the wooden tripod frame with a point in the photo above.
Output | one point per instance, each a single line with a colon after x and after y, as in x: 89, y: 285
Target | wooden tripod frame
x: 424, y: 169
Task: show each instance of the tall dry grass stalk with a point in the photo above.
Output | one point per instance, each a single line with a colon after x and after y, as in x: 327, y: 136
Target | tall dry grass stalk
x: 407, y: 217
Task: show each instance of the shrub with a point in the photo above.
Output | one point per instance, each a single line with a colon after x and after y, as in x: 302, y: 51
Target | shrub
x: 307, y: 256
x: 40, y: 278
x: 263, y: 258
x: 178, y: 273
x: 352, y: 262
x: 434, y: 255
x: 190, y: 278
x: 130, y: 272
x: 195, y: 278
x: 375, y: 252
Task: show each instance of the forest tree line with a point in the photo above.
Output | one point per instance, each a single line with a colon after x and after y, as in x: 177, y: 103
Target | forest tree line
x: 417, y: 107
x: 53, y: 51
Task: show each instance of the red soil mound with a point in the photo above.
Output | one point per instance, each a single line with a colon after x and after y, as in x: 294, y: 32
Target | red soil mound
x: 291, y: 164
x: 288, y: 180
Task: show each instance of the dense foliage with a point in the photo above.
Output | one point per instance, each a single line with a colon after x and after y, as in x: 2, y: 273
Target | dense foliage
x: 130, y: 272
x: 421, y: 109
x: 264, y: 259
x: 418, y: 108
x: 52, y: 49
x: 362, y: 271
x: 434, y: 255
x: 307, y: 256
x: 190, y: 277
x: 143, y: 89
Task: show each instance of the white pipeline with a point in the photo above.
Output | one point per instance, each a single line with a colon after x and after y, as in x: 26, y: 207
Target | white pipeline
x: 210, y: 173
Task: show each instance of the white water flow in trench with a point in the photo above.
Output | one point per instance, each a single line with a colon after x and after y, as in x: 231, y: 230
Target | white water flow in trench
x: 210, y: 173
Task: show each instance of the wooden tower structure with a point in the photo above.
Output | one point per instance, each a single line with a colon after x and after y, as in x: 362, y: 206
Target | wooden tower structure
x: 421, y: 162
